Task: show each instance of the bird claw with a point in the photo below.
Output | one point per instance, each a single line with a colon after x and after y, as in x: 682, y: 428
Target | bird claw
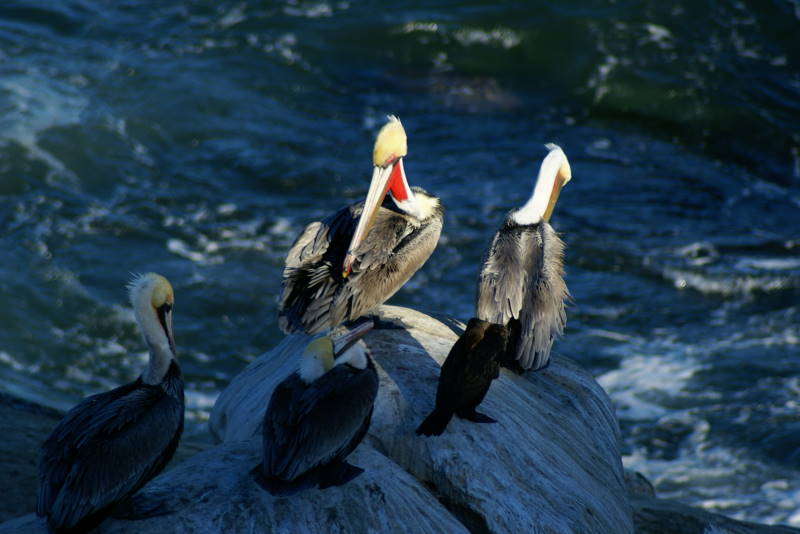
x: 477, y: 417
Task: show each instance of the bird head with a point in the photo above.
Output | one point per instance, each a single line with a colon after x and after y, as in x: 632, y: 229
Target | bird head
x: 388, y: 176
x: 152, y: 299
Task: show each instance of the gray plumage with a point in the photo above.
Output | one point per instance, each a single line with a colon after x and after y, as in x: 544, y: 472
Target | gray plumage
x: 316, y: 296
x: 309, y: 428
x: 521, y: 284
x: 106, y: 448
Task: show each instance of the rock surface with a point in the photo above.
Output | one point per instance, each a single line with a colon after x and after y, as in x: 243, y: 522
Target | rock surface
x: 550, y: 465
x: 214, y: 492
x: 24, y: 427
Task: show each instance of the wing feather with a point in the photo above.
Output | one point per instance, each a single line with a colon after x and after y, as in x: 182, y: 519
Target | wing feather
x: 522, y: 278
x: 105, y: 449
x: 315, y: 296
x: 310, y: 426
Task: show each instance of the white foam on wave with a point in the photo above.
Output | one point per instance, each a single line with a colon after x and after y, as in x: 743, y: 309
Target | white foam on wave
x: 768, y: 264
x: 643, y: 381
x: 208, y: 234
x: 180, y: 248
x: 655, y: 376
x: 233, y: 16
x: 599, y: 80
x: 311, y: 10
x: 725, y: 284
x: 701, y: 266
x: 500, y: 36
x: 35, y: 102
x: 9, y: 361
x: 720, y: 480
x: 199, y: 404
x: 659, y: 35
x: 505, y: 38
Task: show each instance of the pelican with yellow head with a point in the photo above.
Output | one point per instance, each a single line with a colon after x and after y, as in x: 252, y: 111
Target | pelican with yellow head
x: 521, y: 282
x: 111, y: 444
x: 357, y: 258
x: 318, y: 415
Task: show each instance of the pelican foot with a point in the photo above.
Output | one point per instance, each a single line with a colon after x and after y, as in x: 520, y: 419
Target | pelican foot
x: 139, y: 508
x: 338, y: 474
x: 475, y: 417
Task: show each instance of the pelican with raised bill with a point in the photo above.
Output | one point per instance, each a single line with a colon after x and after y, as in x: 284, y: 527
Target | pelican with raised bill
x: 355, y: 259
x: 111, y: 444
x: 319, y: 415
x: 521, y: 282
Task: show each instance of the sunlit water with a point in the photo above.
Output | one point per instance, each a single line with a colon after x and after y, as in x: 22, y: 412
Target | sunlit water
x: 196, y: 140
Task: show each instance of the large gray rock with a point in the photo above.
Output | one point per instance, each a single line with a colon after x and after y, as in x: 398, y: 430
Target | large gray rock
x: 550, y: 465
x: 214, y: 492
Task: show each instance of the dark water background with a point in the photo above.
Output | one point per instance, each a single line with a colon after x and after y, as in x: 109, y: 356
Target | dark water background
x: 196, y: 139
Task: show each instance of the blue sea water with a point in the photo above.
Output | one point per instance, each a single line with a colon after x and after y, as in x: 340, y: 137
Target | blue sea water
x: 196, y: 139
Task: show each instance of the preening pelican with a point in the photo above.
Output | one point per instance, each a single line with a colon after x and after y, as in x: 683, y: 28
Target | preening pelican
x: 110, y: 444
x: 318, y: 415
x: 521, y: 282
x: 358, y: 257
x: 467, y: 373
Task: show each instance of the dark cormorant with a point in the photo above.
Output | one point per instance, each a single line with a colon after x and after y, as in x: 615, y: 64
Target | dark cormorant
x: 318, y: 415
x: 466, y: 375
x: 357, y: 258
x: 111, y: 444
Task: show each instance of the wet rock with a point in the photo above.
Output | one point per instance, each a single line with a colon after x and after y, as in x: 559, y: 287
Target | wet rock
x: 214, y: 492
x: 550, y: 465
x: 24, y: 426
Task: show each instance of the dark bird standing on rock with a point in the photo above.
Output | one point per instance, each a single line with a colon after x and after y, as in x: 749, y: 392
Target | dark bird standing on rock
x: 467, y: 373
x: 521, y: 282
x: 111, y: 444
x: 318, y: 416
x: 357, y: 258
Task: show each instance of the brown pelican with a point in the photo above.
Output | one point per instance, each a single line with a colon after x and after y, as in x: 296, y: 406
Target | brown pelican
x: 318, y: 415
x: 466, y: 375
x: 358, y: 257
x: 110, y: 444
x: 521, y: 283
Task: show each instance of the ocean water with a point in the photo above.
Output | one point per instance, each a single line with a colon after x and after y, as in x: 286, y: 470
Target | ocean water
x: 196, y: 139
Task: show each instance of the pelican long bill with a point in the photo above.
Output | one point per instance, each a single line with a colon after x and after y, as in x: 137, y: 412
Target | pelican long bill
x: 347, y: 339
x: 381, y: 181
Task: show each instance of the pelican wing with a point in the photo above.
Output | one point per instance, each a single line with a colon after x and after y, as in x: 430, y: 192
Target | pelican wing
x: 313, y: 271
x: 511, y: 266
x: 309, y: 426
x: 316, y: 296
x: 544, y: 316
x: 105, y: 449
x: 522, y: 282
